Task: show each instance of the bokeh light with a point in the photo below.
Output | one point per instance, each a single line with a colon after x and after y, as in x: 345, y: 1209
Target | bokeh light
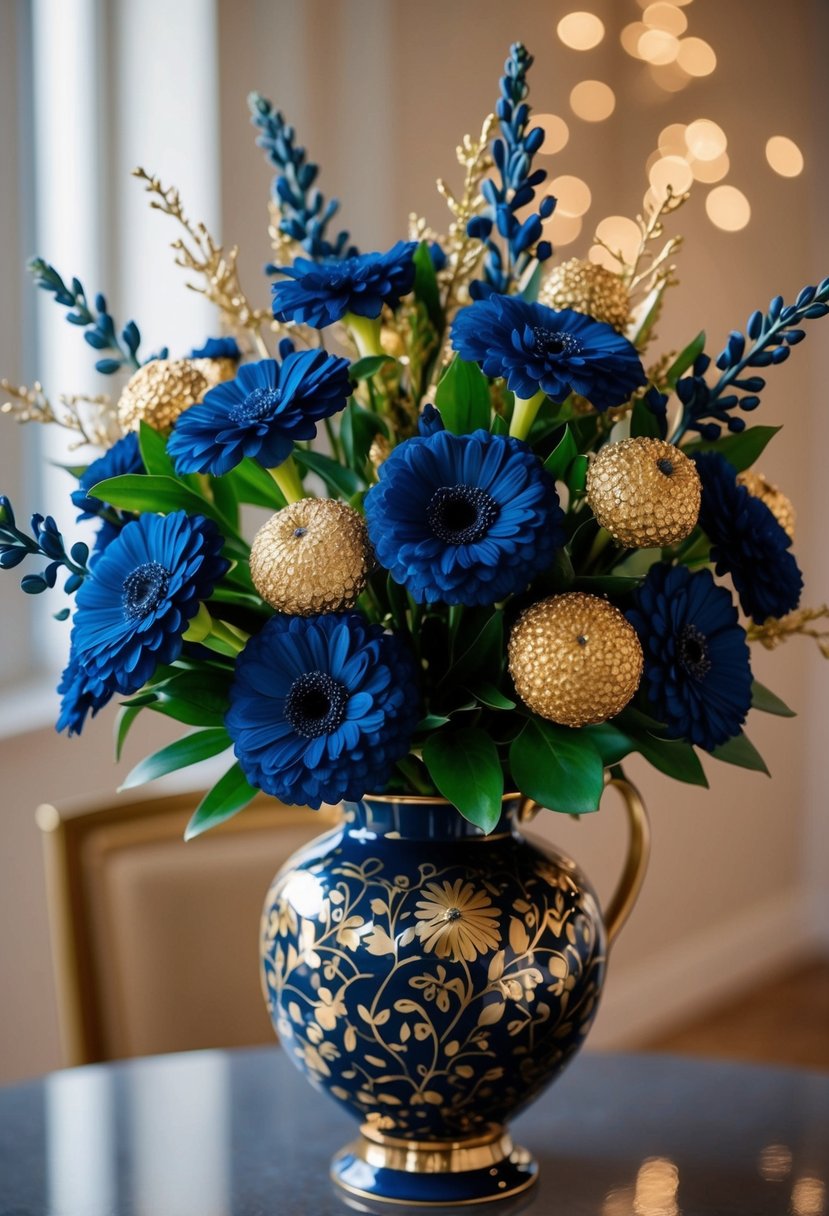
x: 705, y: 139
x: 696, y: 57
x: 658, y: 47
x: 580, y: 31
x: 808, y: 1197
x: 708, y: 171
x: 620, y: 234
x: 556, y: 133
x: 592, y: 100
x: 784, y: 156
x: 563, y: 229
x: 664, y: 16
x: 669, y: 77
x: 630, y: 36
x: 672, y: 140
x: 728, y: 208
x: 670, y: 172
x: 573, y: 195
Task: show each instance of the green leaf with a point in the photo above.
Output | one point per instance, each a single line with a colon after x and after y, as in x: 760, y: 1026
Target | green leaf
x: 685, y: 359
x: 338, y: 478
x: 464, y: 766
x: 137, y: 492
x: 480, y: 650
x: 559, y: 768
x: 608, y: 584
x: 153, y: 447
x: 253, y: 484
x: 185, y: 712
x: 673, y: 757
x: 741, y: 450
x: 224, y: 499
x: 198, y: 697
x: 577, y: 475
x: 742, y: 752
x: 490, y: 696
x: 462, y: 396
x: 644, y: 422
x: 200, y: 745
x: 613, y: 745
x: 426, y: 286
x: 499, y: 425
x: 358, y: 427
x: 767, y: 702
x: 562, y: 456
x: 229, y: 795
x: 365, y: 368
x: 431, y: 722
x: 126, y: 716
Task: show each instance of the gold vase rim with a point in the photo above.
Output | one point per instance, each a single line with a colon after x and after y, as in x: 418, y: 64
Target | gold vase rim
x: 421, y: 799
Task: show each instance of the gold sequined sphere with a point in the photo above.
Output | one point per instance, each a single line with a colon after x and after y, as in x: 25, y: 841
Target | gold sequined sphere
x: 216, y: 371
x: 312, y: 556
x: 776, y: 501
x: 574, y: 659
x: 158, y: 392
x: 645, y: 492
x: 588, y: 288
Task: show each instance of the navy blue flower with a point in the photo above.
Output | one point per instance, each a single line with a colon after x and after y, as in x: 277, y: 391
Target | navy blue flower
x: 260, y: 413
x: 123, y: 457
x: 534, y: 347
x: 321, y: 708
x: 136, y: 603
x: 81, y: 693
x: 320, y: 293
x: 697, y: 672
x: 464, y: 519
x: 747, y: 542
x: 218, y: 348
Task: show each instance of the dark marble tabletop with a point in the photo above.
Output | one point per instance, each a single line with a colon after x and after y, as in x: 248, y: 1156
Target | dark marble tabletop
x: 240, y: 1133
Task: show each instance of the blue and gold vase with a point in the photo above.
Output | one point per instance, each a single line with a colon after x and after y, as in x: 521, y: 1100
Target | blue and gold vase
x: 433, y: 980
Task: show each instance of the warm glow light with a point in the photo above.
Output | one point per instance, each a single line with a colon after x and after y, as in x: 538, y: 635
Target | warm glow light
x: 563, y: 229
x: 775, y: 1162
x: 808, y: 1197
x: 696, y: 57
x: 657, y: 1184
x: 573, y: 196
x: 669, y: 77
x: 556, y: 133
x: 580, y: 31
x: 630, y: 36
x: 592, y: 100
x: 709, y: 171
x: 658, y: 47
x: 784, y: 156
x: 728, y: 208
x: 670, y: 172
x: 620, y: 234
x: 705, y: 139
x: 667, y: 17
x: 675, y: 3
x: 672, y: 140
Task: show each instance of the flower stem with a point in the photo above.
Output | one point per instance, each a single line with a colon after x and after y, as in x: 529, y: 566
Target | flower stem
x: 214, y: 634
x: 286, y: 476
x: 366, y: 333
x: 524, y: 414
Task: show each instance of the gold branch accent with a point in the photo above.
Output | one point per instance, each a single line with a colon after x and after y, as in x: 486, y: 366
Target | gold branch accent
x: 772, y: 632
x: 26, y: 404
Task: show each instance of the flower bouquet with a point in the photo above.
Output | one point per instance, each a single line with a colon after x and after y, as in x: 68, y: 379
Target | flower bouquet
x: 489, y: 565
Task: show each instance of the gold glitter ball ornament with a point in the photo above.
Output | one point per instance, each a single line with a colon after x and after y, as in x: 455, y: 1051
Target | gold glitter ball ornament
x: 216, y: 371
x: 312, y: 556
x: 776, y: 501
x: 589, y: 288
x: 574, y: 659
x: 158, y: 392
x: 645, y: 492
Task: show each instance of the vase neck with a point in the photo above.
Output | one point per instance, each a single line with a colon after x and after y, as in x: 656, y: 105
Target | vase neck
x: 409, y: 818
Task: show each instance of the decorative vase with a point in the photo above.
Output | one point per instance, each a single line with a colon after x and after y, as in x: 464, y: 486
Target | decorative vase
x: 433, y: 981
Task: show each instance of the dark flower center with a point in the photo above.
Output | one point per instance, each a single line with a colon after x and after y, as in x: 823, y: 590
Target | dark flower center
x: 692, y: 652
x: 460, y: 515
x: 315, y: 704
x: 665, y: 465
x: 453, y: 914
x: 257, y: 405
x: 554, y: 342
x: 144, y: 589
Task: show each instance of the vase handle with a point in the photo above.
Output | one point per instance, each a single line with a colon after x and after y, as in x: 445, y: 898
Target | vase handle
x: 636, y: 863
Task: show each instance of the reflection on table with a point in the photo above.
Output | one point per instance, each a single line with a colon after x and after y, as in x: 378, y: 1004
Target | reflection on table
x: 241, y: 1134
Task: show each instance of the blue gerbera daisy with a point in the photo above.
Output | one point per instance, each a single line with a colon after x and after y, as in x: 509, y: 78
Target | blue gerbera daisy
x: 321, y: 708
x: 123, y: 457
x: 535, y: 348
x: 747, y: 542
x: 697, y: 672
x: 464, y: 519
x: 217, y: 348
x: 320, y: 293
x: 260, y: 413
x: 135, y: 605
x: 81, y: 693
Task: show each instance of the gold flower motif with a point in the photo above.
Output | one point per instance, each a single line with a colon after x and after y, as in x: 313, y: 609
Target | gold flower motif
x: 330, y: 1008
x: 457, y: 920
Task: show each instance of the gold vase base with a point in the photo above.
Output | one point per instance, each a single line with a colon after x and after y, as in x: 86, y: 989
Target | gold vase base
x: 433, y: 1173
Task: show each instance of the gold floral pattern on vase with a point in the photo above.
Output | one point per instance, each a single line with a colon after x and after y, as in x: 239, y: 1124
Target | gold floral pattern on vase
x: 434, y: 985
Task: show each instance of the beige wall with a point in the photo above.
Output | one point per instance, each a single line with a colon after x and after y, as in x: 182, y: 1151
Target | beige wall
x: 381, y: 93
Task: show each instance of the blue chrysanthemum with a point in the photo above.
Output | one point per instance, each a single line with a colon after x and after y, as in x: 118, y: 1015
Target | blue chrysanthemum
x: 217, y: 348
x: 260, y: 413
x: 322, y: 707
x: 747, y: 542
x: 697, y: 672
x: 81, y: 694
x: 123, y: 457
x: 136, y: 603
x: 320, y: 293
x: 464, y: 519
x: 534, y: 347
